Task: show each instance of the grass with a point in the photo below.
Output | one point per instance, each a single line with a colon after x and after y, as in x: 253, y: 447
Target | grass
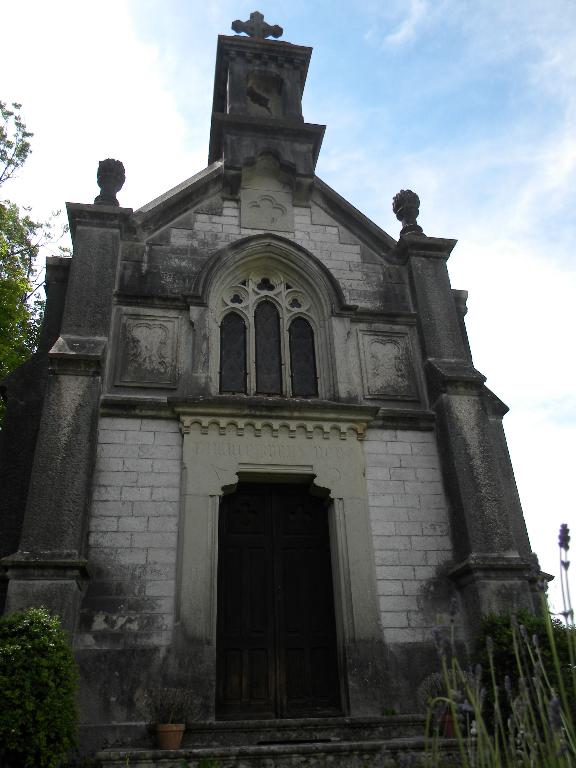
x: 522, y: 720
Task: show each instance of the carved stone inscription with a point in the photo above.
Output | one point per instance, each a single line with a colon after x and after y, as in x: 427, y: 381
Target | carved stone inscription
x: 387, y: 366
x: 217, y: 454
x: 148, y: 348
x: 277, y: 451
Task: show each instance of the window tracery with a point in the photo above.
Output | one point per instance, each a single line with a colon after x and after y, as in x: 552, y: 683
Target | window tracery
x: 268, y: 338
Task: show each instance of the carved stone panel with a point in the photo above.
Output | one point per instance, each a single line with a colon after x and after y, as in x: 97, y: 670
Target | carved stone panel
x: 147, y: 351
x: 267, y: 209
x: 387, y: 367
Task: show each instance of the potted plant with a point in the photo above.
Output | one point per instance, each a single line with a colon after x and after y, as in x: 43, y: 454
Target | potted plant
x: 168, y: 709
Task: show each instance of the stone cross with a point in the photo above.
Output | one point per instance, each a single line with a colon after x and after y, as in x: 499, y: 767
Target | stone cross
x: 257, y: 27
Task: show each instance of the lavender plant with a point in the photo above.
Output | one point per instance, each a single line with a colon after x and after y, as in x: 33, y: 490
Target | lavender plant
x: 528, y: 720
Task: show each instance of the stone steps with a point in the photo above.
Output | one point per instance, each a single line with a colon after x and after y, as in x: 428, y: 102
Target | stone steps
x: 371, y: 742
x: 303, y: 730
x: 393, y: 753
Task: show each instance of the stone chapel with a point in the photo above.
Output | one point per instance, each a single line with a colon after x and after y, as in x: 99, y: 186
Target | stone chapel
x: 252, y: 455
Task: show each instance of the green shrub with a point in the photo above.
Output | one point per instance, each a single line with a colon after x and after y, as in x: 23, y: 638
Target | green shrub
x: 534, y: 632
x: 500, y: 628
x: 38, y: 717
x: 516, y: 710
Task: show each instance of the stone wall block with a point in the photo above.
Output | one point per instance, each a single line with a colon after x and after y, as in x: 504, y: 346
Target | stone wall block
x: 410, y: 526
x: 133, y: 536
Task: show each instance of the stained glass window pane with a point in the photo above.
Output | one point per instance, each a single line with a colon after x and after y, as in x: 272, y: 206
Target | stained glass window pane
x: 268, y: 355
x: 233, y: 354
x: 302, y: 359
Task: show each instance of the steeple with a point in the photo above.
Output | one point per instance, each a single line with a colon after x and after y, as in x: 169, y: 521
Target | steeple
x: 257, y: 106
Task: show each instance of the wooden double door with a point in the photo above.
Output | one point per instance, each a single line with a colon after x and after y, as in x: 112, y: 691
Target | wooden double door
x: 276, y: 637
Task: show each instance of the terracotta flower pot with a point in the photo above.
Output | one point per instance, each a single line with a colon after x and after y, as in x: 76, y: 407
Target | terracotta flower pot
x: 169, y: 735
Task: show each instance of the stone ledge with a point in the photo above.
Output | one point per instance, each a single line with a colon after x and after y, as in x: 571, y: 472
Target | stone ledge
x: 490, y: 566
x: 27, y: 566
x: 420, y: 245
x: 99, y: 216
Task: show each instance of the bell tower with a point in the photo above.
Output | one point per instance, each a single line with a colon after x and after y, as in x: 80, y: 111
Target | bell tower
x: 257, y: 108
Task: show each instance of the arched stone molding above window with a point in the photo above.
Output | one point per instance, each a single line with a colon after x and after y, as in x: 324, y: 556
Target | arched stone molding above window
x: 248, y: 285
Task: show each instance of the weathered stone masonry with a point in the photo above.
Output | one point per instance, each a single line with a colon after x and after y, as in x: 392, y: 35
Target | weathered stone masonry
x: 133, y: 530
x: 410, y: 526
x: 114, y: 523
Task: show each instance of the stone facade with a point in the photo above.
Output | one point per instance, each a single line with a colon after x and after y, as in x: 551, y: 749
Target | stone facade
x: 410, y: 527
x: 136, y: 437
x: 132, y: 537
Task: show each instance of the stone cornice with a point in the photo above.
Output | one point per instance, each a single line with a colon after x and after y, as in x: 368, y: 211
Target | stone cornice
x: 259, y: 413
x: 452, y: 377
x: 421, y: 246
x: 45, y: 566
x: 371, y: 416
x: 80, y: 355
x: 497, y: 409
x: 481, y: 566
x: 57, y: 269
x: 130, y: 405
x: 393, y: 418
x: 98, y: 216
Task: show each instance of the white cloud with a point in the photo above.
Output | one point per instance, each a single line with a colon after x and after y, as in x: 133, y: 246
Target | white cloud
x: 91, y: 89
x: 509, y: 198
x: 408, y: 27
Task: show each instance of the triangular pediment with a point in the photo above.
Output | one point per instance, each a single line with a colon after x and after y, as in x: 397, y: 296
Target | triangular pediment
x: 201, y: 194
x: 339, y: 212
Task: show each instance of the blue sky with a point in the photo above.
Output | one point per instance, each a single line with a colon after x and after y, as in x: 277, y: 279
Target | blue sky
x: 471, y: 103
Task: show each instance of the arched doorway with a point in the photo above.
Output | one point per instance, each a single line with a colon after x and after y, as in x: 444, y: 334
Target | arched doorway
x: 276, y: 648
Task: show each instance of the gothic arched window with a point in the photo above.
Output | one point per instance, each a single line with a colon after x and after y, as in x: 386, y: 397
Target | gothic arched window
x: 302, y: 358
x: 267, y: 338
x: 233, y: 354
x: 268, y: 351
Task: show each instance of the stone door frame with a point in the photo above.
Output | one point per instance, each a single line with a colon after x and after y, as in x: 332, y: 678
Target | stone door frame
x: 322, y: 451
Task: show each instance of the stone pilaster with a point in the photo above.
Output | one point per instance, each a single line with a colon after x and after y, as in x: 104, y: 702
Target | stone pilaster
x: 50, y: 567
x: 490, y: 546
x: 24, y: 391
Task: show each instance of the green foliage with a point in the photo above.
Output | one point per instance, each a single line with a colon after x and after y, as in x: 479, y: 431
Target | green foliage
x: 517, y: 709
x: 14, y: 144
x: 20, y: 311
x: 21, y: 238
x: 38, y: 717
x: 527, y: 635
x: 169, y: 705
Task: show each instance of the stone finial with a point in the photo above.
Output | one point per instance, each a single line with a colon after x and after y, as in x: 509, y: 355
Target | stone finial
x: 257, y: 27
x: 111, y: 177
x: 406, y: 206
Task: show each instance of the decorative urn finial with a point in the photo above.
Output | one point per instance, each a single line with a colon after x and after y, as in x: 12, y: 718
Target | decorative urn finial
x: 111, y: 177
x: 406, y: 206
